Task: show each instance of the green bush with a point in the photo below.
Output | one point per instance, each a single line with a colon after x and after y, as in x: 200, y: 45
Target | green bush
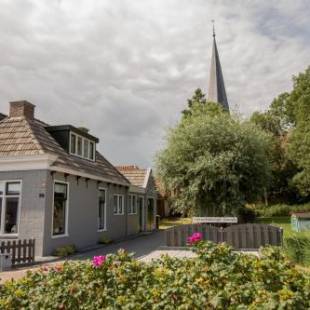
x: 218, y: 278
x: 280, y: 210
x: 104, y: 240
x: 297, y: 248
x: 65, y: 250
x: 246, y: 215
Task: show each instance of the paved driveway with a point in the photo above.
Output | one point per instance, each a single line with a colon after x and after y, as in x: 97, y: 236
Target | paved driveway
x: 142, y: 246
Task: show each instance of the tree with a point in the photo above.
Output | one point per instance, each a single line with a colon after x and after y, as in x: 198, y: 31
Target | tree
x: 213, y: 163
x: 299, y: 138
x: 282, y: 168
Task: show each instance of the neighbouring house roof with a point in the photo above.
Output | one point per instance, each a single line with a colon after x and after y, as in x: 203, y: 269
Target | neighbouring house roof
x: 2, y: 116
x: 20, y: 136
x: 135, y: 175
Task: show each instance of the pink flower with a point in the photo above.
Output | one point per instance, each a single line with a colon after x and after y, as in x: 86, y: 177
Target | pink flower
x: 98, y: 260
x: 194, y: 238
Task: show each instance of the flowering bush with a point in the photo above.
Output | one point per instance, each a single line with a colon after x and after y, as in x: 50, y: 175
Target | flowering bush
x: 98, y: 260
x: 194, y: 238
x: 218, y: 278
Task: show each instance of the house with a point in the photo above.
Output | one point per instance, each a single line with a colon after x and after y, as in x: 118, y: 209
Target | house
x: 142, y: 188
x: 57, y: 188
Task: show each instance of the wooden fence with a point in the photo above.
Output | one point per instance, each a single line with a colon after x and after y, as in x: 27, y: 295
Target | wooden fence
x: 243, y: 236
x: 22, y: 251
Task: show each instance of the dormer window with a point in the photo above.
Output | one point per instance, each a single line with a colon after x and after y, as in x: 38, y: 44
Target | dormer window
x: 82, y: 147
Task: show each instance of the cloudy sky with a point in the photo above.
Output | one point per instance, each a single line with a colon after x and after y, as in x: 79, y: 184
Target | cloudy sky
x: 124, y: 68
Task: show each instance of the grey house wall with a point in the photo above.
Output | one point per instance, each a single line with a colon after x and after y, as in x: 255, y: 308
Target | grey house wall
x: 32, y: 207
x: 83, y: 213
x: 35, y: 218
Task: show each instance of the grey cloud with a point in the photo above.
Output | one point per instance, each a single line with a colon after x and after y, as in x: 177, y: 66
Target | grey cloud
x: 125, y: 68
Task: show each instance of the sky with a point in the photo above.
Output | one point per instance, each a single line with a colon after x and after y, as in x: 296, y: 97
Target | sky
x: 125, y: 68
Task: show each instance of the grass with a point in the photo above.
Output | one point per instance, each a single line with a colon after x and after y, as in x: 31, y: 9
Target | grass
x: 169, y: 222
x: 285, y: 223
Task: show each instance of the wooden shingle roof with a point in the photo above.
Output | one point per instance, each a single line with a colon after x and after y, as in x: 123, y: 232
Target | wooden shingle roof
x: 20, y: 136
x: 134, y: 174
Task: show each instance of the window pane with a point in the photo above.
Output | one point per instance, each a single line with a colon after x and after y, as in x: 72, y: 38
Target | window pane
x: 86, y: 142
x: 91, y: 150
x: 2, y: 184
x: 79, y: 146
x: 13, y: 188
x: 60, y: 206
x: 120, y: 204
x: 134, y: 206
x: 11, y: 213
x: 60, y: 190
x: 129, y: 204
x: 101, y: 218
x: 73, y: 144
x: 115, y: 204
x: 59, y: 220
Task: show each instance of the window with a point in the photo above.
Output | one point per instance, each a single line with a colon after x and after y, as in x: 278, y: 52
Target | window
x: 132, y: 204
x: 118, y: 204
x: 82, y: 147
x: 9, y: 206
x: 92, y: 151
x: 79, y: 145
x: 73, y: 143
x: 102, y: 210
x: 60, y: 209
x: 86, y: 143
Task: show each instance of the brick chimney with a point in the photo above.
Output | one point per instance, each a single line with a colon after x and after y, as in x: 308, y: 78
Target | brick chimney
x: 22, y: 108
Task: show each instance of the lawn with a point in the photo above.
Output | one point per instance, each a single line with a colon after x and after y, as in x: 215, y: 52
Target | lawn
x: 285, y: 223
x: 169, y: 222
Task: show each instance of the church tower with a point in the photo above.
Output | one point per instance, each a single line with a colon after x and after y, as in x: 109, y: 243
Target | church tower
x: 216, y: 89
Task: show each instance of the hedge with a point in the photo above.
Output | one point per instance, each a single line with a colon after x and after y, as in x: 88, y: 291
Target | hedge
x: 280, y: 210
x: 217, y: 279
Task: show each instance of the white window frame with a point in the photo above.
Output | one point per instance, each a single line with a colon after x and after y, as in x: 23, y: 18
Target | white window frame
x: 132, y: 207
x: 84, y: 141
x: 3, y: 208
x: 118, y: 206
x: 66, y: 234
x: 105, y: 210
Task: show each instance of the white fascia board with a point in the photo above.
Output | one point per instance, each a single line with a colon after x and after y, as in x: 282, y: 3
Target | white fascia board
x: 85, y: 175
x: 136, y: 189
x: 30, y: 162
x: 147, y: 177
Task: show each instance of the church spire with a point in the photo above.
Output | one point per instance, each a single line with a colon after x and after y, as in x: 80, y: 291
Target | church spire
x: 216, y: 89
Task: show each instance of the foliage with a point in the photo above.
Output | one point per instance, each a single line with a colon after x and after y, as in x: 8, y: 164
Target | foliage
x: 280, y: 209
x: 104, y: 240
x: 213, y: 163
x: 65, y: 250
x: 282, y: 168
x: 297, y: 248
x: 246, y: 215
x: 199, y: 103
x: 217, y: 279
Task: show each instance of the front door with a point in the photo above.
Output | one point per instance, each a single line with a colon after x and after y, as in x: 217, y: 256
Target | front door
x: 150, y: 213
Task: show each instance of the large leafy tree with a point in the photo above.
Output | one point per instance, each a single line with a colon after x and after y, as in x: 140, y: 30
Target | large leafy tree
x: 294, y: 110
x: 282, y: 168
x: 213, y: 164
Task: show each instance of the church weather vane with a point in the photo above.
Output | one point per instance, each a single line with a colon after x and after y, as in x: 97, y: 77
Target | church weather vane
x: 213, y: 22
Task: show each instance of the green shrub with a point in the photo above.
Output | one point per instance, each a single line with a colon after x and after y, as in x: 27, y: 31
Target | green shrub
x: 218, y: 278
x: 246, y: 215
x: 104, y: 240
x: 280, y: 210
x: 65, y: 250
x: 297, y: 248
